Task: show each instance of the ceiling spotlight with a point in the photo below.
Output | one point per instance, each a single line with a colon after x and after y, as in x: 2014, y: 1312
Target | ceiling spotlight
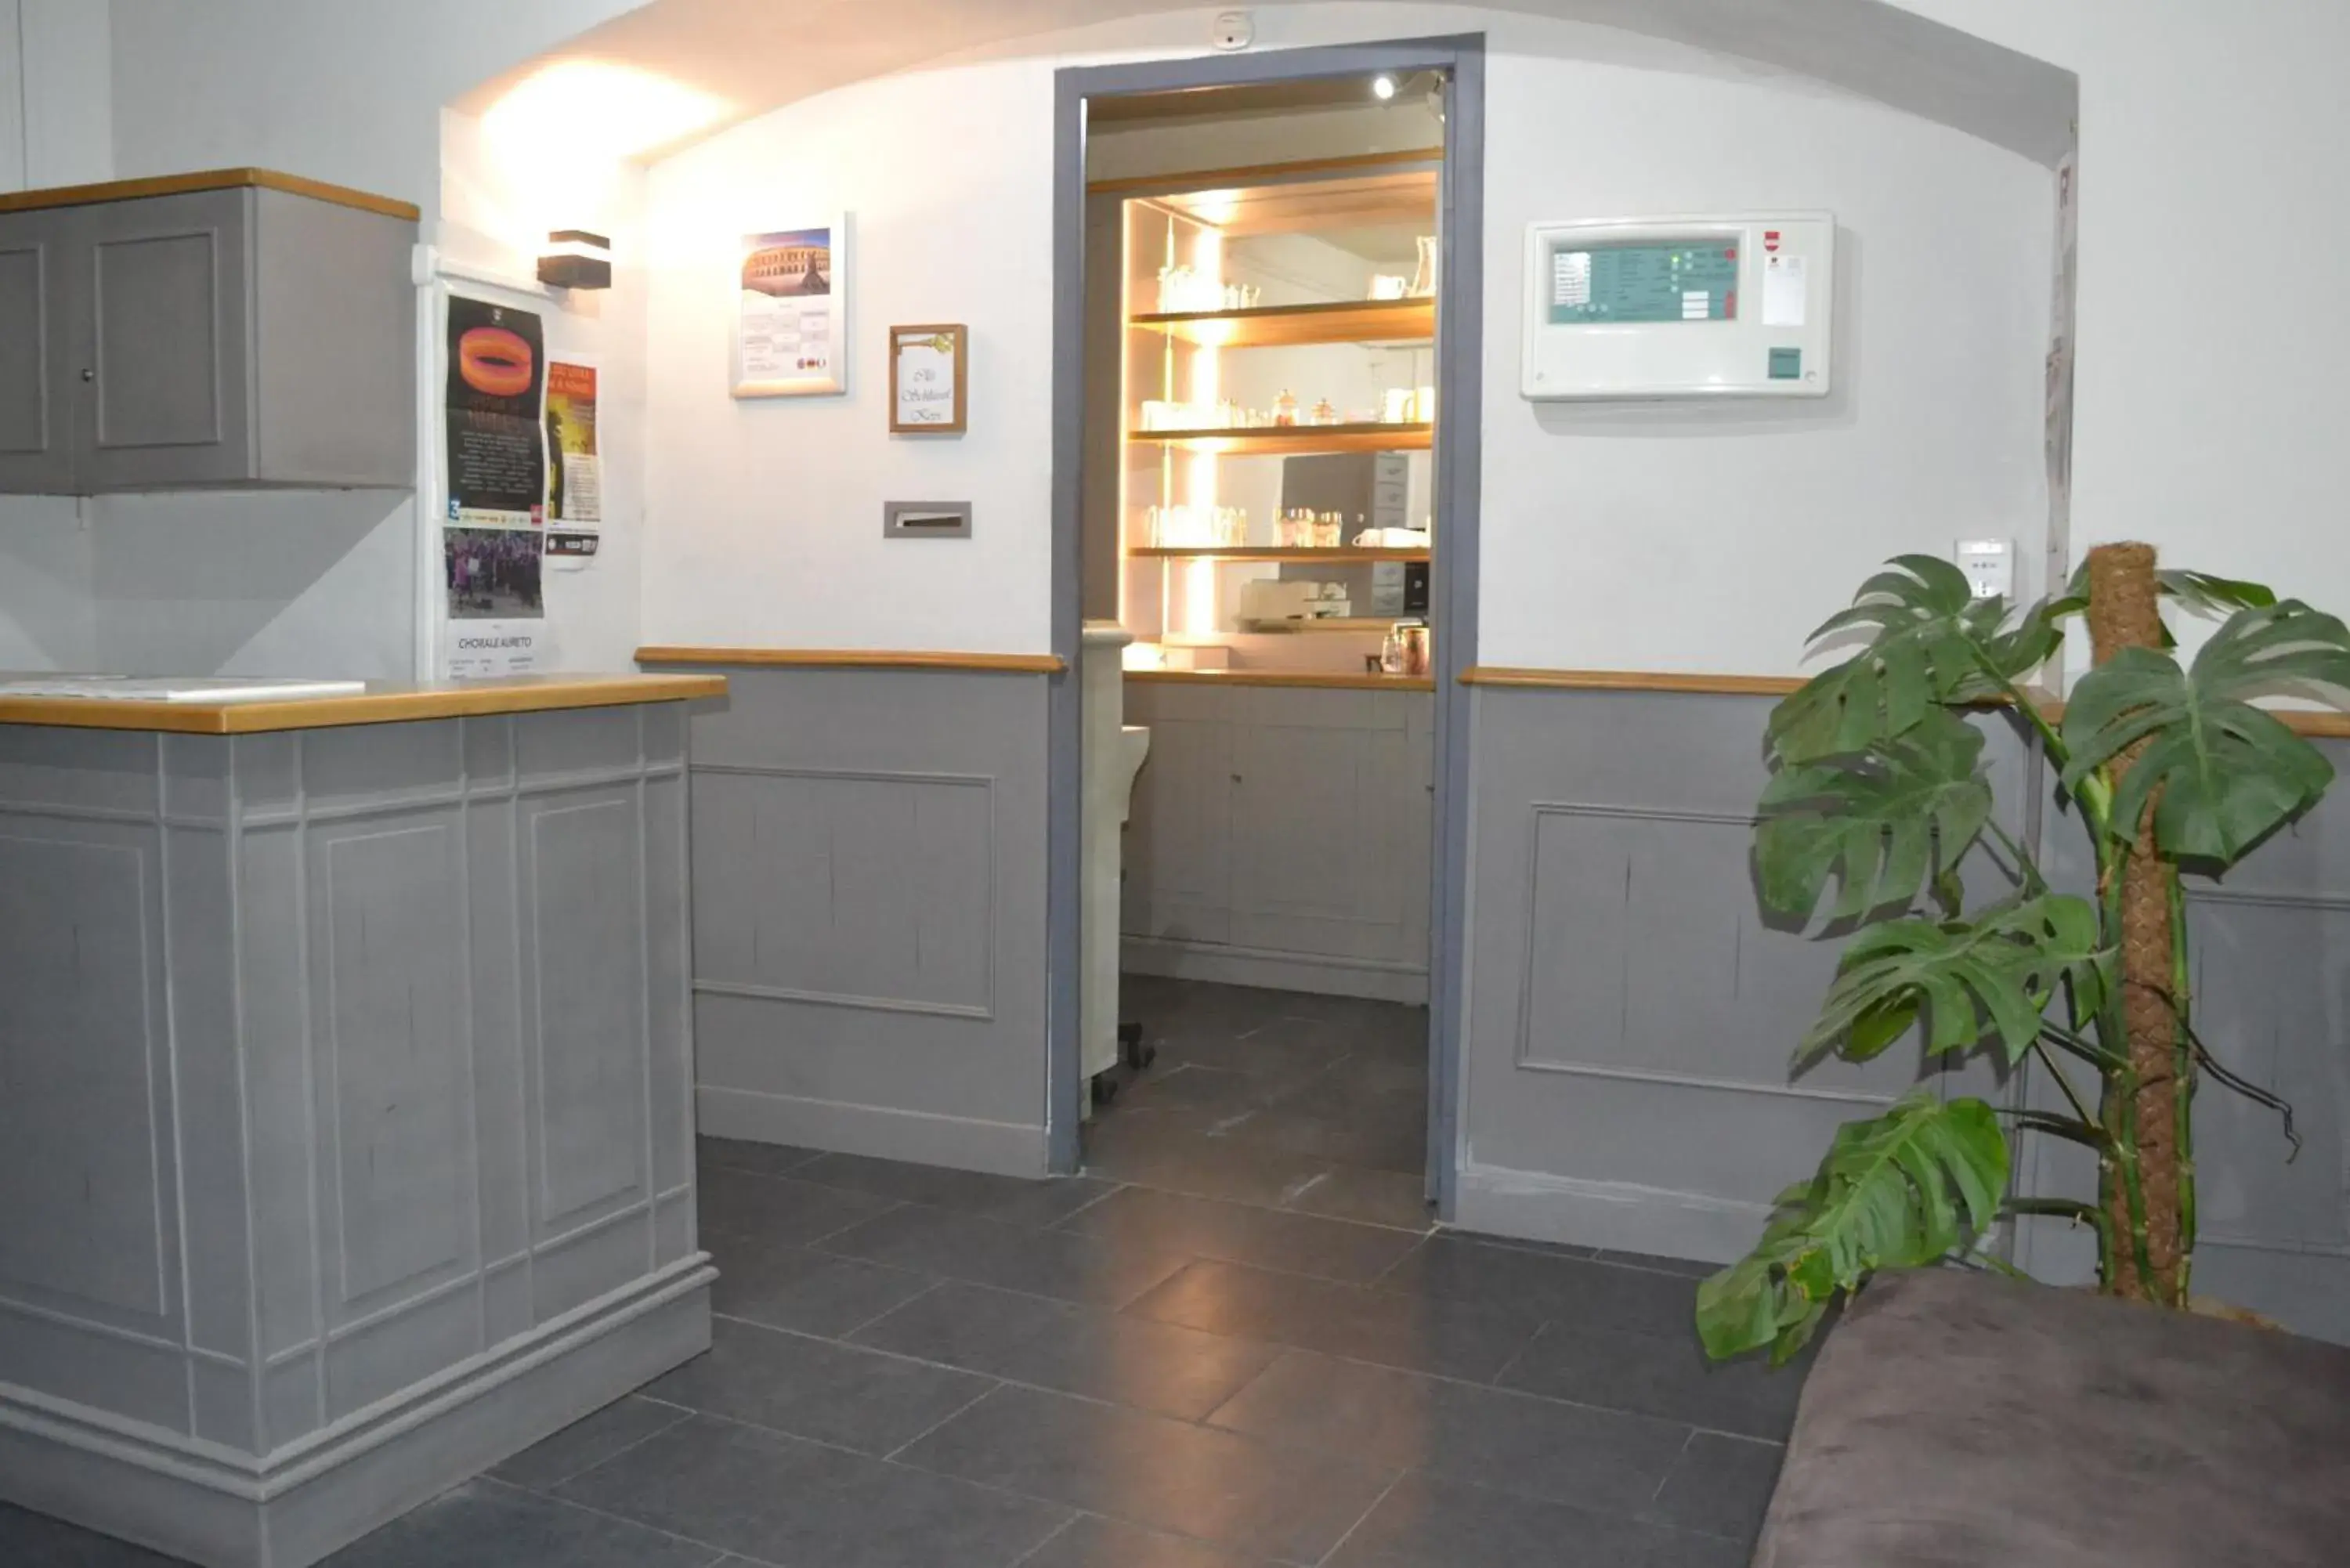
x: 1383, y: 87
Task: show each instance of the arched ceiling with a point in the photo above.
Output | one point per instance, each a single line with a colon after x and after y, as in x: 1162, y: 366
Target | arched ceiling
x: 758, y: 54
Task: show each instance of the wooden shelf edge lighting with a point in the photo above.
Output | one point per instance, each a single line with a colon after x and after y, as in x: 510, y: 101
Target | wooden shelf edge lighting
x: 1293, y: 440
x: 1295, y: 326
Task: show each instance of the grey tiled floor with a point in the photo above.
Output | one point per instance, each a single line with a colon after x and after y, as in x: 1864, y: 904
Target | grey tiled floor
x: 1234, y: 1344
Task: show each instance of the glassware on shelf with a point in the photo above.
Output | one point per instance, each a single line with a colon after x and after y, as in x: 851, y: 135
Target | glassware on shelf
x: 1396, y: 405
x: 1284, y: 409
x: 1324, y: 414
x: 1423, y: 281
x: 1326, y: 531
x: 1197, y: 528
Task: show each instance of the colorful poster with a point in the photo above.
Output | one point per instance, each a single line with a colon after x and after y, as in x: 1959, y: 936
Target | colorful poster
x: 497, y: 459
x: 790, y: 338
x: 575, y: 479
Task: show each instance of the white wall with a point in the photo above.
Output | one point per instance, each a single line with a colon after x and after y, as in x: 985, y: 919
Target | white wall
x: 765, y: 514
x: 54, y: 130
x: 335, y: 89
x: 284, y: 582
x: 2205, y: 423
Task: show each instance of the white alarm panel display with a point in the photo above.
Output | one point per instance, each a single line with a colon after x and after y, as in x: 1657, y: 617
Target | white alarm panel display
x: 1737, y: 306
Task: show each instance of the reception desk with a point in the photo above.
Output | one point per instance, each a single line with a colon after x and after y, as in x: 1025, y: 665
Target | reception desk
x: 346, y: 1128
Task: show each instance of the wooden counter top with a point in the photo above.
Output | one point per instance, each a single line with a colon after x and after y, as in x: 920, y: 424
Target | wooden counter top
x: 1326, y: 679
x: 208, y: 179
x: 383, y: 702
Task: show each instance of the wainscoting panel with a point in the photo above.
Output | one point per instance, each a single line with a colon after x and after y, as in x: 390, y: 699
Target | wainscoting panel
x: 868, y: 912
x: 1631, y: 1014
x: 584, y: 943
x: 85, y: 1127
x: 391, y: 1024
x: 388, y: 960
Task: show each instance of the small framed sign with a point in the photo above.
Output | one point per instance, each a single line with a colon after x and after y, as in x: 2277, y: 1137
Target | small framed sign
x: 928, y: 371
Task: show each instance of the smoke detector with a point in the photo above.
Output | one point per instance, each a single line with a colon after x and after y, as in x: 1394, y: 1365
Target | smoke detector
x: 1232, y: 30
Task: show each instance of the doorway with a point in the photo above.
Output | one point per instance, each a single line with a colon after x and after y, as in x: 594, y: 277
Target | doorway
x: 1212, y: 580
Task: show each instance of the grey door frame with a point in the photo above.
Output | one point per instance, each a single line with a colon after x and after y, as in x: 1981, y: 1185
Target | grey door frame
x: 1460, y: 369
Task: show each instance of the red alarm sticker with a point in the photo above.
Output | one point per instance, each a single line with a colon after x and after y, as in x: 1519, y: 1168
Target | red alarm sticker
x: 1771, y: 240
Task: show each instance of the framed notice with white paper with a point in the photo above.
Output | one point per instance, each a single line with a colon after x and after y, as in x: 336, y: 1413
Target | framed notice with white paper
x: 929, y: 367
x: 791, y: 312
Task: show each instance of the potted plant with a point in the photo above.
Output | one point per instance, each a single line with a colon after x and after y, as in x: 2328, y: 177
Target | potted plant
x: 1877, y: 786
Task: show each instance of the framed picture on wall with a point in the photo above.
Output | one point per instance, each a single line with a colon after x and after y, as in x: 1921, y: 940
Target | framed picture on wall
x: 791, y: 314
x: 929, y: 380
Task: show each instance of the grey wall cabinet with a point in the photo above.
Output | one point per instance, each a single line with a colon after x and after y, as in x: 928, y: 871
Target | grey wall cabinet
x: 238, y: 335
x: 1280, y: 835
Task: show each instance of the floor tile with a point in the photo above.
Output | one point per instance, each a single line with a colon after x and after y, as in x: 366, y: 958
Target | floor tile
x: 814, y: 1389
x: 1092, y: 1542
x: 1424, y: 1522
x: 1075, y: 1349
x: 1283, y: 1503
x: 775, y: 1210
x: 1180, y: 1083
x: 1658, y: 1376
x: 587, y: 1443
x: 1605, y: 1460
x: 1580, y: 1292
x: 485, y: 1525
x: 1373, y: 1197
x: 759, y: 1158
x: 1239, y: 1233
x: 1392, y: 1137
x: 27, y: 1537
x: 1452, y: 1339
x: 1178, y: 1149
x: 815, y: 1293
x: 1005, y: 1198
x: 1721, y: 1487
x: 1106, y: 1271
x: 777, y: 1500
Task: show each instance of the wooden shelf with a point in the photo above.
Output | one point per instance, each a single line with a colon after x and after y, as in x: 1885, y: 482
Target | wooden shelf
x: 1262, y: 206
x: 1336, y: 554
x: 1331, y: 624
x: 1289, y: 440
x: 1288, y: 326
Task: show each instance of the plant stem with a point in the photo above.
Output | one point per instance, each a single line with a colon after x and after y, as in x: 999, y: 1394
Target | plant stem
x: 2028, y: 868
x: 2072, y: 1096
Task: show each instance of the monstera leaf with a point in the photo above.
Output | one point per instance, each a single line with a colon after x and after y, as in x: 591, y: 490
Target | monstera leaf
x: 1901, y: 1190
x: 1883, y: 821
x: 2002, y: 969
x: 2228, y: 773
x: 1933, y: 644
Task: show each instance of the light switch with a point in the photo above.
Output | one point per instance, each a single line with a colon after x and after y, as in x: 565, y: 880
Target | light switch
x: 1989, y: 564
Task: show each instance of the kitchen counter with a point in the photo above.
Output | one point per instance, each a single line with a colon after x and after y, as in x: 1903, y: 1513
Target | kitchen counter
x: 383, y: 702
x: 346, y: 1139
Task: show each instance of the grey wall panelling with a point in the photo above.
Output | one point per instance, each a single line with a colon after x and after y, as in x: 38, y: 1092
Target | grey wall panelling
x: 346, y: 1139
x: 2269, y: 951
x: 1281, y: 837
x: 237, y: 336
x: 868, y: 904
x: 1630, y: 1015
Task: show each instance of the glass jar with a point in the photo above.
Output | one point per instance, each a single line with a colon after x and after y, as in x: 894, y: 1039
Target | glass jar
x: 1284, y: 409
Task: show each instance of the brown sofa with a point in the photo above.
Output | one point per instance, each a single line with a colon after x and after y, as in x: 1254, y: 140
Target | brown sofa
x: 1960, y: 1421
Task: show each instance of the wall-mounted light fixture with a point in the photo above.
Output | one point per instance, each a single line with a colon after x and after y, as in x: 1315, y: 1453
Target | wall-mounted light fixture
x: 574, y: 258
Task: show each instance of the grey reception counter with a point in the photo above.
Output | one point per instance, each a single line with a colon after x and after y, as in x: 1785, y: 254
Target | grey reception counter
x: 346, y: 1117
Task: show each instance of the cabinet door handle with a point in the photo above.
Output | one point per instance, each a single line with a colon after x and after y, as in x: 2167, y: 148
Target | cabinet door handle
x: 90, y: 375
